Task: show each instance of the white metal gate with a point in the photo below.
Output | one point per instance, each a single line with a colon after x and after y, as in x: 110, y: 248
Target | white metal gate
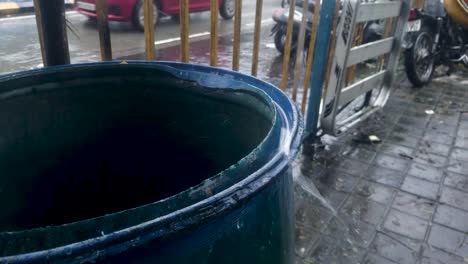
x: 337, y: 94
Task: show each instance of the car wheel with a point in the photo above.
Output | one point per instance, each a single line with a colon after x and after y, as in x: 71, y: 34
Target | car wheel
x: 227, y: 9
x: 138, y: 20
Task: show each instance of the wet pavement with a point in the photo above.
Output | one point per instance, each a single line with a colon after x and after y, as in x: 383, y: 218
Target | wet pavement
x: 404, y: 200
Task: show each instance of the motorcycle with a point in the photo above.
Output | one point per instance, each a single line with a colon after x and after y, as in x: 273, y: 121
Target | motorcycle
x: 432, y: 39
x: 373, y: 30
x: 281, y: 16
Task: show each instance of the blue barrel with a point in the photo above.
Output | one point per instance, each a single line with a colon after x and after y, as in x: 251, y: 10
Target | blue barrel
x: 145, y: 162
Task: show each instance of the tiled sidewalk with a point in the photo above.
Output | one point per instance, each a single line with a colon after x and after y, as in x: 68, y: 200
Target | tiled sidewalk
x: 402, y: 201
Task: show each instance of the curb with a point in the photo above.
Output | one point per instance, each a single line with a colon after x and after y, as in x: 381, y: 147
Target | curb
x: 21, y: 6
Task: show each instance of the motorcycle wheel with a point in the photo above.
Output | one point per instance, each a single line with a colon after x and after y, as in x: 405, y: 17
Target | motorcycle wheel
x: 419, y: 62
x: 280, y: 40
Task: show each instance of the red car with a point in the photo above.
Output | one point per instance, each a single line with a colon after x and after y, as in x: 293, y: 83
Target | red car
x: 132, y: 10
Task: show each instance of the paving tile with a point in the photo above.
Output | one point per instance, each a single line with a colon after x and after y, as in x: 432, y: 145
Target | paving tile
x: 454, y: 198
x: 385, y: 176
x: 420, y: 187
x: 332, y: 250
x: 430, y: 101
x: 446, y: 120
x: 458, y: 166
x: 363, y: 209
x: 405, y: 224
x: 353, y: 167
x: 429, y: 159
x: 438, y: 138
x: 457, y: 181
x: 435, y: 256
x: 463, y: 125
x: 418, y: 107
x: 459, y: 154
x: 414, y: 205
x: 462, y: 142
x: 408, y: 130
x: 393, y: 249
x: 425, y: 172
x: 375, y: 192
x: 334, y: 198
x: 419, y: 114
x: 303, y: 238
x: 391, y: 162
x: 452, y: 217
x: 376, y: 259
x: 356, y: 232
x: 464, y: 116
x: 362, y: 154
x: 449, y: 240
x: 462, y: 133
x: 434, y: 147
x: 311, y: 217
x: 414, y: 122
x: 396, y: 150
x: 337, y: 180
x: 402, y: 139
x: 449, y: 130
x: 413, y: 244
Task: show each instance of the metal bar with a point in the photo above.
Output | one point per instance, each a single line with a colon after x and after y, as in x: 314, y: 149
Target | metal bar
x: 287, y: 48
x: 103, y: 27
x: 378, y: 10
x: 370, y: 50
x: 53, y: 29
x: 39, y: 23
x: 237, y: 35
x: 354, y: 119
x: 184, y: 30
x: 149, y: 29
x: 299, y: 50
x: 417, y: 4
x: 387, y: 33
x: 394, y: 54
x: 214, y: 33
x: 353, y: 91
x: 256, y: 44
x: 319, y: 64
x: 344, y: 43
x: 358, y: 36
x: 331, y: 52
x: 310, y: 56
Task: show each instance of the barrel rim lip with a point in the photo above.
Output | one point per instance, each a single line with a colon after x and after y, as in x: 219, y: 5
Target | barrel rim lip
x: 279, y: 160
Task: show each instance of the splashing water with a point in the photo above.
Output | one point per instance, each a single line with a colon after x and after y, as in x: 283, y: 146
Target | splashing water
x: 349, y: 234
x: 310, y: 188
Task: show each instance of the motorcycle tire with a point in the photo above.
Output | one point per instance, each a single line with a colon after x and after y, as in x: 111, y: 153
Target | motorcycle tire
x: 227, y: 9
x: 280, y: 41
x: 424, y: 39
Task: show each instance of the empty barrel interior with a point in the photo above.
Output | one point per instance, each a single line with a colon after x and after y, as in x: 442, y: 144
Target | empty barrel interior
x: 84, y: 146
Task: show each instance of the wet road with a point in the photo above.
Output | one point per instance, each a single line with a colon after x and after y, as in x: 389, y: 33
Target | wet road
x: 20, y: 50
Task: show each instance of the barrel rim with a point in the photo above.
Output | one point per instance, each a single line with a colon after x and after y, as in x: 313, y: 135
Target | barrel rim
x: 248, y: 185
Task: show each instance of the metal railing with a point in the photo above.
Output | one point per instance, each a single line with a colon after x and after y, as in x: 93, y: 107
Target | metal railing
x: 339, y: 93
x: 325, y: 67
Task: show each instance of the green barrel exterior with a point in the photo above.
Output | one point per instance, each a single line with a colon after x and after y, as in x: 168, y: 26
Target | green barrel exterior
x: 145, y: 162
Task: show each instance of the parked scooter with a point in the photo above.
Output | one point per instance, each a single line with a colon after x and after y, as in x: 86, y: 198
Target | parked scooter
x: 373, y: 30
x: 281, y: 16
x: 434, y: 38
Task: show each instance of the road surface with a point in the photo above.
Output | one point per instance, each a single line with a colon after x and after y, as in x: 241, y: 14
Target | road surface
x: 20, y: 50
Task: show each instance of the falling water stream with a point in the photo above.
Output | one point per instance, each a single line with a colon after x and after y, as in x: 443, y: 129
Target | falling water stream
x: 347, y: 233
